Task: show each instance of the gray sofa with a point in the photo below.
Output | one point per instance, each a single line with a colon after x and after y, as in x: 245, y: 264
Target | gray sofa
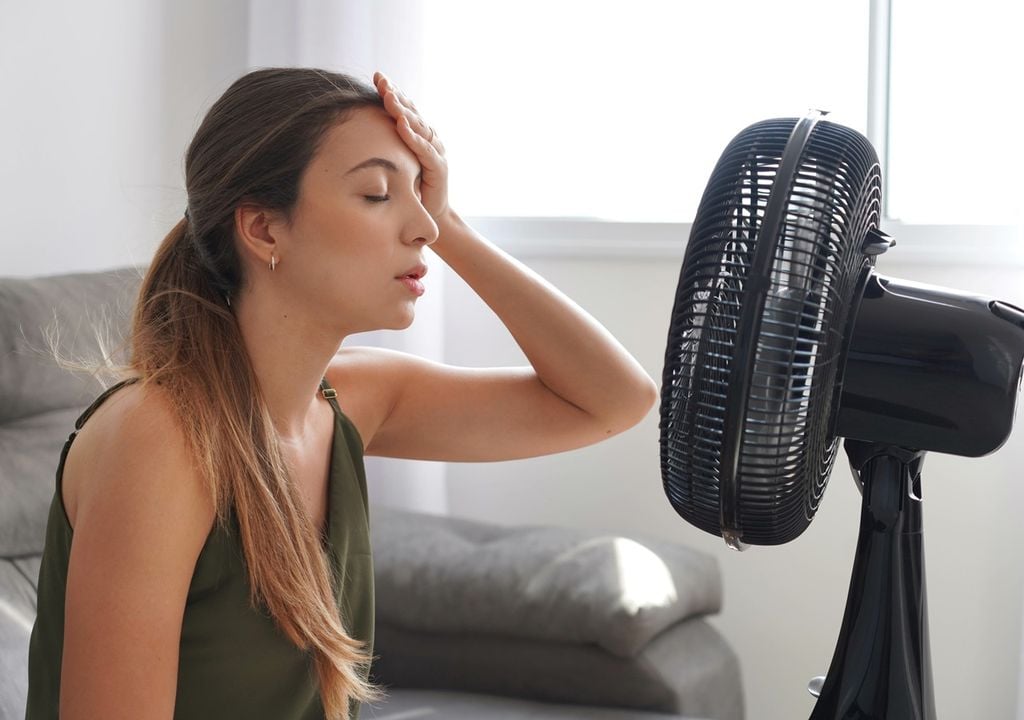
x: 474, y: 621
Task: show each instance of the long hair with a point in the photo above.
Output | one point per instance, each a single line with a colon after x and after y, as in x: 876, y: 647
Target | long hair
x: 252, y: 146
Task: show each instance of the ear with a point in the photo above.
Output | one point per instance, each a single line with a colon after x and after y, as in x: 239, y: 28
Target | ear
x: 258, y: 230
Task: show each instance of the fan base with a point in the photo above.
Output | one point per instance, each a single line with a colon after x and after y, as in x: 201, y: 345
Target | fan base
x: 882, y: 665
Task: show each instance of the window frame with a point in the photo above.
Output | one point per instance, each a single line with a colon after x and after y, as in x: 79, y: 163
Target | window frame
x: 566, y: 238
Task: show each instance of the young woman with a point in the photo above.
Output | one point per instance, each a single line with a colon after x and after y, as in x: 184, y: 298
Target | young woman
x: 207, y: 549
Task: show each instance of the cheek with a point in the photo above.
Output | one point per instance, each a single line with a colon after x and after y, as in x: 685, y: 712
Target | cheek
x: 346, y: 246
x: 350, y: 270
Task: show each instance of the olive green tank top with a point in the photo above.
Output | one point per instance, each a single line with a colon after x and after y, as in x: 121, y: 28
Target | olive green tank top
x: 233, y: 660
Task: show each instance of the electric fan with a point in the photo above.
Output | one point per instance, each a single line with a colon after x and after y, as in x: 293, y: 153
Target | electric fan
x: 783, y: 339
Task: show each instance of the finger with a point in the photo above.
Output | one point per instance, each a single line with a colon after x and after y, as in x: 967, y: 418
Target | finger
x: 402, y: 97
x: 418, y: 140
x: 412, y: 132
x: 380, y: 82
x: 396, y: 108
x: 396, y: 103
x: 384, y: 84
x: 404, y: 105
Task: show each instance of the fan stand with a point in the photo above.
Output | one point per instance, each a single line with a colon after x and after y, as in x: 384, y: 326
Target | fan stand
x: 882, y: 665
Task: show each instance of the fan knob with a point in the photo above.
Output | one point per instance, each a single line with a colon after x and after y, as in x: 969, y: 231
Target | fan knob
x: 876, y: 242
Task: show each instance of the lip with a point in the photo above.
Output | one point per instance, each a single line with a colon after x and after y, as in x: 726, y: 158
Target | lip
x: 411, y: 279
x: 416, y: 272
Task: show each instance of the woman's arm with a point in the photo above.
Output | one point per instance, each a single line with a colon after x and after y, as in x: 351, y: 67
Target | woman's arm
x: 582, y: 386
x: 140, y: 518
x: 572, y: 354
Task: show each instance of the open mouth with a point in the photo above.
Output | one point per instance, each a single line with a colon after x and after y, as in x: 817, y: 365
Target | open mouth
x: 416, y: 273
x: 411, y: 279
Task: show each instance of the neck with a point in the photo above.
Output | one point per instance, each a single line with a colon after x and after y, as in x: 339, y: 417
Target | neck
x: 290, y: 353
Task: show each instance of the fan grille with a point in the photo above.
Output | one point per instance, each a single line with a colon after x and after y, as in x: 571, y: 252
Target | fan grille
x: 786, y: 450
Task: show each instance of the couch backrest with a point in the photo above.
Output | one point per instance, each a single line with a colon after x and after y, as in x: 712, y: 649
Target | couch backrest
x: 39, y: 401
x: 37, y: 395
x: 74, y: 305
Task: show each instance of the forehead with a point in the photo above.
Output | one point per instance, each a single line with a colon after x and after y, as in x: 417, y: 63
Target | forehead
x: 366, y: 133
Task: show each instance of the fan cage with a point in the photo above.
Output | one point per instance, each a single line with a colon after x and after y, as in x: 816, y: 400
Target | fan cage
x: 786, y: 447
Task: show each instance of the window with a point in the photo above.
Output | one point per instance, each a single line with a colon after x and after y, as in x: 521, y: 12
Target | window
x: 955, y: 145
x: 619, y: 111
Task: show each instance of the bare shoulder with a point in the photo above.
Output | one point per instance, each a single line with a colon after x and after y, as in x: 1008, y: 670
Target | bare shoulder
x: 132, y: 450
x: 140, y: 517
x: 370, y: 364
x: 366, y: 379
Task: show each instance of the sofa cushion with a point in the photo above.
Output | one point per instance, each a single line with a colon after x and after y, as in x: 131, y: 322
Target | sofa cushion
x: 543, y: 583
x: 438, y: 705
x: 29, y: 454
x: 688, y: 669
x: 82, y: 308
x: 18, y: 580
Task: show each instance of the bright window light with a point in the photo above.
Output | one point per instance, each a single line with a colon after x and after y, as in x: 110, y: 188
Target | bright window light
x: 619, y: 110
x: 955, y: 145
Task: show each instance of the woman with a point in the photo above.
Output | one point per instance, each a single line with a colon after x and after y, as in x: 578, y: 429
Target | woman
x: 207, y: 549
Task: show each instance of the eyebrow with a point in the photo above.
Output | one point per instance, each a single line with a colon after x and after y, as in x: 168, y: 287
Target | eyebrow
x: 374, y: 162
x: 380, y: 162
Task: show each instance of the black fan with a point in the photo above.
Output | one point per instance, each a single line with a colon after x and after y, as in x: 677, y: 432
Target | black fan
x: 783, y: 339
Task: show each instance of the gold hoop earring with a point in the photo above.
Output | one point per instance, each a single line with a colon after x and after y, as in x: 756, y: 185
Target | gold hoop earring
x: 273, y: 262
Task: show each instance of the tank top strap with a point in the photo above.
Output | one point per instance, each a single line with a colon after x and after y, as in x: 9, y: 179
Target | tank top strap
x: 331, y: 395
x: 99, y: 401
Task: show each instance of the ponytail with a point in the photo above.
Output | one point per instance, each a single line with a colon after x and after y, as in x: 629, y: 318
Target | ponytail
x: 186, y: 339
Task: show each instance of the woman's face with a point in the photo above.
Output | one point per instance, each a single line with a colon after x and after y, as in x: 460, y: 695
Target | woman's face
x: 357, y: 228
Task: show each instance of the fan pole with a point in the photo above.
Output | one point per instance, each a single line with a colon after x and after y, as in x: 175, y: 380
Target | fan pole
x: 882, y: 666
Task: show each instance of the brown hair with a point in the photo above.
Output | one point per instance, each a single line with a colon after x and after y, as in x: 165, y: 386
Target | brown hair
x: 252, y: 146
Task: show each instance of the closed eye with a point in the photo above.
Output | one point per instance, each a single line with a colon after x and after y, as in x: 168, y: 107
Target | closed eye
x: 377, y: 198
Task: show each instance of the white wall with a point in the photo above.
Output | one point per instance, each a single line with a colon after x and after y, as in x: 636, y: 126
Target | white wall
x: 783, y: 605
x: 100, y: 99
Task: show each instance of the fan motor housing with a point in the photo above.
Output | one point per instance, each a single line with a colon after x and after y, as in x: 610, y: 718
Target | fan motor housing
x: 931, y: 368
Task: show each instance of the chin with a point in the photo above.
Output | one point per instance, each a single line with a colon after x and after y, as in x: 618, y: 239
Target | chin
x: 403, y: 321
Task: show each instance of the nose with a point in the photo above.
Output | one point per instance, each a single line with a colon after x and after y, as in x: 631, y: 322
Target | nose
x: 421, y: 228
